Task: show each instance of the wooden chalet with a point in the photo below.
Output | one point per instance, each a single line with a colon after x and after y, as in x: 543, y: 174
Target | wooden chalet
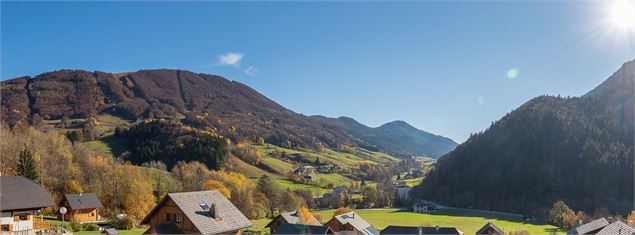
x: 202, y: 212
x: 290, y: 218
x: 420, y: 230
x: 490, y: 228
x: 82, y: 208
x: 20, y: 200
x: 350, y: 223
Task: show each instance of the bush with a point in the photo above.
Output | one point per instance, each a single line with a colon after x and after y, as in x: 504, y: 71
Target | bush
x: 76, y: 227
x: 91, y: 227
x: 125, y: 224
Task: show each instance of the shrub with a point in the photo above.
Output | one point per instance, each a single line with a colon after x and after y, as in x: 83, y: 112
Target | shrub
x: 76, y: 227
x: 91, y: 227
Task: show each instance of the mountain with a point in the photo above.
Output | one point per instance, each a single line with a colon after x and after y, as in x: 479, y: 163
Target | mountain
x: 397, y: 137
x: 579, y: 150
x: 235, y: 110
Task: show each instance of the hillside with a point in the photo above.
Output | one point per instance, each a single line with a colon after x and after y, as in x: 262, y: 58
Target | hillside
x: 235, y: 110
x: 579, y: 150
x: 397, y: 137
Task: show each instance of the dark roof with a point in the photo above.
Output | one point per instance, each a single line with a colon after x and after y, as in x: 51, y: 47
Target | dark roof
x: 163, y: 229
x: 17, y: 192
x: 83, y: 201
x: 293, y: 218
x: 403, y: 230
x: 590, y: 227
x: 490, y: 225
x: 302, y: 229
x: 230, y: 218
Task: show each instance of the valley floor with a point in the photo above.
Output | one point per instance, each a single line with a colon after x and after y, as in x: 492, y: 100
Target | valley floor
x: 466, y: 220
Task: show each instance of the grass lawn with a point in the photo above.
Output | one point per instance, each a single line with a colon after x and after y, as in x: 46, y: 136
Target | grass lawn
x: 107, y: 145
x: 467, y: 221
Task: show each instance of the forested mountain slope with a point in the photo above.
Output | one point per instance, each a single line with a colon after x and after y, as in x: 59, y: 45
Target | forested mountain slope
x: 579, y: 150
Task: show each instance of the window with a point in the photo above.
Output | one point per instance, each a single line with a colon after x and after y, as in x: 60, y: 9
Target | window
x: 172, y: 217
x: 92, y: 213
x: 23, y: 216
x: 5, y: 227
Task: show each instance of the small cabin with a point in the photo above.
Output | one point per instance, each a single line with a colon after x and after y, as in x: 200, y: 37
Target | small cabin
x: 490, y: 228
x: 350, y: 223
x: 21, y: 201
x: 290, y: 218
x: 202, y: 212
x: 82, y: 207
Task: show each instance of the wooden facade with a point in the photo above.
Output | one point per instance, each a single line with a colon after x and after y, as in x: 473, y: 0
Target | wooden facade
x: 168, y: 213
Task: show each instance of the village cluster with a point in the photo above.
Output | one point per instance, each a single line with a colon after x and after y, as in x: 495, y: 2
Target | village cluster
x: 210, y: 212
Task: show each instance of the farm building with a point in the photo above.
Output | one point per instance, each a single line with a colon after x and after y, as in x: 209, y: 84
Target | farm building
x: 290, y: 218
x: 21, y: 200
x: 423, y: 206
x: 82, y: 208
x: 350, y: 223
x: 202, y: 212
x: 303, y: 229
x: 490, y: 228
x: 589, y: 228
x: 419, y: 230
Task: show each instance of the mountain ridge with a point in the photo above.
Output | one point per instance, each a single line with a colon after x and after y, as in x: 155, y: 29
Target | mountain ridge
x: 233, y: 108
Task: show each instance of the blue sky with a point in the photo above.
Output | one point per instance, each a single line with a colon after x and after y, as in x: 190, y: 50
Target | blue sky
x: 441, y: 66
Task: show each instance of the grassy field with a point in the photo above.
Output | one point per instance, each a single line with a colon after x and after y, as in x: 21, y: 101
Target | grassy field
x: 412, y: 182
x: 467, y: 221
x: 286, y: 184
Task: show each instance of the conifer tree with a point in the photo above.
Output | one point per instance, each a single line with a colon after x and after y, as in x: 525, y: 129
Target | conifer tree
x: 26, y: 165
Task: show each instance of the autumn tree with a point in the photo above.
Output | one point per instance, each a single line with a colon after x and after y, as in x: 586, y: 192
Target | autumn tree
x: 215, y: 185
x: 138, y: 199
x: 269, y: 189
x: 261, y: 141
x: 560, y: 214
x: 26, y: 165
x: 305, y: 216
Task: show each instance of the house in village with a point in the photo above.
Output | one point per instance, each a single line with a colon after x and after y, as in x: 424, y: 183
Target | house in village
x: 423, y: 206
x: 603, y: 227
x: 351, y: 224
x: 589, y: 228
x: 490, y: 228
x: 82, y: 207
x: 20, y: 201
x: 291, y: 218
x: 303, y: 229
x: 419, y: 230
x: 202, y: 212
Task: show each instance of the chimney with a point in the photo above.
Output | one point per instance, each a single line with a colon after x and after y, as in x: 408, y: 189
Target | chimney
x: 213, y: 212
x: 420, y: 232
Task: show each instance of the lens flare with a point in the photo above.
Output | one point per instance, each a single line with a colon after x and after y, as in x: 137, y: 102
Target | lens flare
x: 512, y: 73
x: 622, y: 14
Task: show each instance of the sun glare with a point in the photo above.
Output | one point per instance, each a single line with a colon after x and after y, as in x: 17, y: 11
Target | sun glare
x: 622, y: 14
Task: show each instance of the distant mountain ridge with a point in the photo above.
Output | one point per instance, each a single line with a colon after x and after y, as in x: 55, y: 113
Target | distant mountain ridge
x: 579, y: 150
x: 234, y: 109
x: 396, y: 137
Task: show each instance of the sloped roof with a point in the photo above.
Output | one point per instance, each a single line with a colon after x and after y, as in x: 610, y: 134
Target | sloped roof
x: 589, y: 227
x: 230, y: 218
x: 490, y: 225
x: 422, y: 203
x: 406, y: 230
x: 163, y: 229
x: 83, y: 201
x: 293, y: 218
x: 357, y: 222
x: 617, y: 228
x: 17, y: 192
x: 302, y: 229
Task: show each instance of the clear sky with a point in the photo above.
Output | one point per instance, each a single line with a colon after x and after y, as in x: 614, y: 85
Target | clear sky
x: 449, y: 68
